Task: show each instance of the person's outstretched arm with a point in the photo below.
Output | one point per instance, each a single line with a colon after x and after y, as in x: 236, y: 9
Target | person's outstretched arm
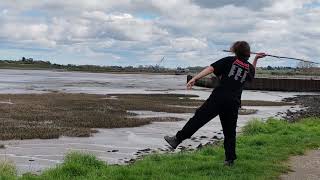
x: 258, y: 56
x: 203, y: 73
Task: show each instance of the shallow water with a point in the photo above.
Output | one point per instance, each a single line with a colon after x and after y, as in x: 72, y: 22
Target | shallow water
x: 42, y: 81
x: 124, y: 142
x: 36, y: 81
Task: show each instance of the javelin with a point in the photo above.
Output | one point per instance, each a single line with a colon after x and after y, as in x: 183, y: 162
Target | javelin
x: 280, y: 57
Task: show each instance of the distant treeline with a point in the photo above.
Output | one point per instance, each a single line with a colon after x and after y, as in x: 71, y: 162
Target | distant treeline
x: 29, y: 63
x: 287, y: 71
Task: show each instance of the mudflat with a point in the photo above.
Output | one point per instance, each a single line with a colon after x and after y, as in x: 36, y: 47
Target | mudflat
x: 46, y: 116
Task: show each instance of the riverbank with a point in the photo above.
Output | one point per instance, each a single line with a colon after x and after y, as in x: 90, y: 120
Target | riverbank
x: 115, y: 145
x: 263, y: 149
x: 311, y: 104
x: 98, y: 151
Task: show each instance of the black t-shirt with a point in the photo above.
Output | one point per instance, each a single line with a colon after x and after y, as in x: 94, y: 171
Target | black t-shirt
x: 233, y: 73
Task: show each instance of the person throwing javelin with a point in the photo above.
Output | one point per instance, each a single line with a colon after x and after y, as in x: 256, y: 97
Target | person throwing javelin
x: 225, y: 100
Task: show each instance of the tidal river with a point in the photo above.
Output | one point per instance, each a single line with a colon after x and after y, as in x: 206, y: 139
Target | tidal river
x: 119, y: 145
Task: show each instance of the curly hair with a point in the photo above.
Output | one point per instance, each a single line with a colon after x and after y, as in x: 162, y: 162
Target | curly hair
x: 241, y: 49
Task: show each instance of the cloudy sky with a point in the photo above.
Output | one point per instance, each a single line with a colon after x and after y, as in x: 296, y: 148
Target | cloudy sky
x: 134, y: 32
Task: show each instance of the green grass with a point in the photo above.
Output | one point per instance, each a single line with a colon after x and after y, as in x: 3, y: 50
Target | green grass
x: 7, y: 170
x: 263, y: 149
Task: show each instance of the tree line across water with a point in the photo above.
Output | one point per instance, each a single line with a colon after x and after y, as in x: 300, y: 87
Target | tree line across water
x: 30, y: 63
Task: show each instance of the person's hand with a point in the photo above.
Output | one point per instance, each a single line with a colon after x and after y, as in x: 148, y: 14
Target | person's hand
x: 191, y: 83
x: 260, y: 55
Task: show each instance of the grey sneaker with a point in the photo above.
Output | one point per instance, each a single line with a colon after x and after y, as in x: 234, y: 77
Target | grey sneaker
x: 228, y: 163
x: 172, y: 141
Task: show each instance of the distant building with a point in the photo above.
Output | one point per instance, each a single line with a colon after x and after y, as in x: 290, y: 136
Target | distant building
x: 181, y: 71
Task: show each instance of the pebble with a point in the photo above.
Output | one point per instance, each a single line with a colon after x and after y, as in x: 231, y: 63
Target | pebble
x: 182, y: 148
x: 214, y: 137
x: 145, y: 150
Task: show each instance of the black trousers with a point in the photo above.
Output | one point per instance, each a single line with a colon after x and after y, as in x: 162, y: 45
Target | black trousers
x: 227, y: 109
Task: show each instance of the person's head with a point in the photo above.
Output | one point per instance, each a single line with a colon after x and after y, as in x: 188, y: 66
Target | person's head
x: 241, y: 49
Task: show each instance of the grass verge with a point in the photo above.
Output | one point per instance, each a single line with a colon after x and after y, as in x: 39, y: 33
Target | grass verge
x: 7, y: 170
x: 263, y: 149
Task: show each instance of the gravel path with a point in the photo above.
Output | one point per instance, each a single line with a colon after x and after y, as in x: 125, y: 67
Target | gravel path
x: 306, y: 167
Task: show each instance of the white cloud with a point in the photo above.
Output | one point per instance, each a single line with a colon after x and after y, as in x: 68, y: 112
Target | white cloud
x: 188, y: 32
x: 188, y: 44
x: 244, y: 3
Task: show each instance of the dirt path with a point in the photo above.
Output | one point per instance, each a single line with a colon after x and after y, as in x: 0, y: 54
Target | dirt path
x: 306, y: 167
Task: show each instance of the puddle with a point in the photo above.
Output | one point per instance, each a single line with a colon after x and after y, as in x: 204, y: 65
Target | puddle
x: 150, y: 114
x: 4, y: 102
x: 111, y: 97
